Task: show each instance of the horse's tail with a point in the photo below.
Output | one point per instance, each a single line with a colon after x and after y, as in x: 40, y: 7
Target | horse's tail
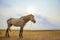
x: 8, y: 22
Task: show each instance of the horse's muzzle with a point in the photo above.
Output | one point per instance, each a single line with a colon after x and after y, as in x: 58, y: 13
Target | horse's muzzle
x: 34, y: 21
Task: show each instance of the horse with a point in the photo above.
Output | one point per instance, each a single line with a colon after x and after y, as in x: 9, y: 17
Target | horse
x: 19, y: 22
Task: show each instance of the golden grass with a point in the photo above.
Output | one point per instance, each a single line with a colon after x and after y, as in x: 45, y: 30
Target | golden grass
x: 32, y: 35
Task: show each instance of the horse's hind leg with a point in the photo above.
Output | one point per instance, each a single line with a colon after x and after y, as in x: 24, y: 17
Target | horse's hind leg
x: 7, y: 31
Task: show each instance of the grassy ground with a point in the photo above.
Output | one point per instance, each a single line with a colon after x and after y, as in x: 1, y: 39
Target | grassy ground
x: 32, y: 35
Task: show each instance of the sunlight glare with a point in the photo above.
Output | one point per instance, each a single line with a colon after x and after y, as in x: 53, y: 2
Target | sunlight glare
x: 30, y: 10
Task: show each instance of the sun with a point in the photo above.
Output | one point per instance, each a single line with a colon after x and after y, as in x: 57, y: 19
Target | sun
x: 30, y: 10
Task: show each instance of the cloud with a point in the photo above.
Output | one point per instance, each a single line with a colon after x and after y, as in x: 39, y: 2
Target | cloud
x: 47, y: 13
x: 49, y: 24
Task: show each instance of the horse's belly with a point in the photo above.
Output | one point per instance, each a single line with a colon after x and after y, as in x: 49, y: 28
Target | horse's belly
x: 17, y: 24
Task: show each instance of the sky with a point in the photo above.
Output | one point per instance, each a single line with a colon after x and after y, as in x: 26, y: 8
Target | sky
x: 46, y: 12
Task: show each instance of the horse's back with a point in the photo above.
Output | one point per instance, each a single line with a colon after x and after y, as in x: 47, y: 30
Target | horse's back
x: 16, y: 21
x: 11, y: 20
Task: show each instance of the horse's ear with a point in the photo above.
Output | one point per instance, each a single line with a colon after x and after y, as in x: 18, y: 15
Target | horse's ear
x: 30, y: 14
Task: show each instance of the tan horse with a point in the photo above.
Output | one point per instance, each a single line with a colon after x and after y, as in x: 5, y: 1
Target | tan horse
x: 19, y: 22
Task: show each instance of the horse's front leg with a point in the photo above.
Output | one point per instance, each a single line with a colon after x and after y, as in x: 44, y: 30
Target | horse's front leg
x: 21, y: 32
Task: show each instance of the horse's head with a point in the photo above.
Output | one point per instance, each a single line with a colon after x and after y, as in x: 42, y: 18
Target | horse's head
x: 32, y: 18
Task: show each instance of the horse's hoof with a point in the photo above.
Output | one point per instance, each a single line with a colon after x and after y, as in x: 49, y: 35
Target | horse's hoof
x: 7, y: 36
x: 22, y: 37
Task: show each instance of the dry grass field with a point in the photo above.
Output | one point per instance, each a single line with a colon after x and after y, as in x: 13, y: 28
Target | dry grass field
x: 32, y: 35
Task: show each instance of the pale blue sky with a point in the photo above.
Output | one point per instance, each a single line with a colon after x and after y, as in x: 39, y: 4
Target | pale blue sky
x: 47, y: 13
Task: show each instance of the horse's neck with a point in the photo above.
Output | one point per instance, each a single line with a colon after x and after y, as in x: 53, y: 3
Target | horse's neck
x: 26, y: 19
